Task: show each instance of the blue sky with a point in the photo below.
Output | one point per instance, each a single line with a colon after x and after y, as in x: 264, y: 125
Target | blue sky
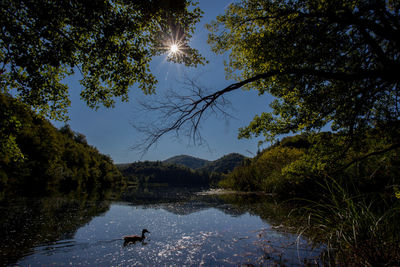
x: 111, y: 131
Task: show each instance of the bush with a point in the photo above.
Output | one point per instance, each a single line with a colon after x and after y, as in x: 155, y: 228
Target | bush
x: 267, y: 173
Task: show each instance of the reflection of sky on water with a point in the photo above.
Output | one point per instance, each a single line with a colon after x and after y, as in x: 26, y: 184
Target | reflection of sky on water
x: 207, y: 237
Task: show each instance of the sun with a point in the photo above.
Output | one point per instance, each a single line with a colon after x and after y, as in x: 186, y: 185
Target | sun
x: 174, y: 49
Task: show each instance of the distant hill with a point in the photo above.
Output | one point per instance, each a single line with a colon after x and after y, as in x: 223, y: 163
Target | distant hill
x: 187, y: 161
x: 157, y: 172
x: 180, y: 170
x: 225, y: 164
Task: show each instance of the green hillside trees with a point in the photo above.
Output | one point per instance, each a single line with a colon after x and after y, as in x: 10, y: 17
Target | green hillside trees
x: 50, y: 159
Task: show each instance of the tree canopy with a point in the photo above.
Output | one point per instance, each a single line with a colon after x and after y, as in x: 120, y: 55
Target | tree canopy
x: 326, y: 62
x: 110, y: 42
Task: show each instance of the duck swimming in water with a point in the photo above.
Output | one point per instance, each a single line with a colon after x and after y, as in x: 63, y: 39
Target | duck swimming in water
x: 135, y: 238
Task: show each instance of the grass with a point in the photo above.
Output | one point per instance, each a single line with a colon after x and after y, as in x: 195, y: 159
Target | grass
x: 360, y: 230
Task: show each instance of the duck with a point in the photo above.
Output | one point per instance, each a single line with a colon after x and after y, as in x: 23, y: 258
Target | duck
x: 135, y: 238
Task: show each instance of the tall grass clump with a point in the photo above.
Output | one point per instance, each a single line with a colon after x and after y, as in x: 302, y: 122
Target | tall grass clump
x: 360, y: 230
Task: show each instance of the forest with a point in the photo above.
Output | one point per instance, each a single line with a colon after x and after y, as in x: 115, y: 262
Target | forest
x: 147, y: 173
x: 180, y: 170
x: 297, y: 166
x: 40, y: 159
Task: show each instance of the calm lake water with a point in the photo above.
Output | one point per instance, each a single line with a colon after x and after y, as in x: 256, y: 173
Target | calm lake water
x: 186, y: 229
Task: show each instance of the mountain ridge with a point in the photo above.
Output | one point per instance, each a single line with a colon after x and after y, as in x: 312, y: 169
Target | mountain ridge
x: 180, y: 170
x: 224, y: 164
x: 187, y: 161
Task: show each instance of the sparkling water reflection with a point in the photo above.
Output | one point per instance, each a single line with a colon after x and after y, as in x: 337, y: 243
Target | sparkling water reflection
x: 204, y: 234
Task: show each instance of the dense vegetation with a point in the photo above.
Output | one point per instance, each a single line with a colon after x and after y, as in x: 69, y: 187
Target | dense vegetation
x: 48, y: 159
x: 147, y: 173
x: 296, y: 165
x: 180, y: 170
x: 353, y: 198
x: 224, y: 164
x: 110, y: 42
x: 327, y: 63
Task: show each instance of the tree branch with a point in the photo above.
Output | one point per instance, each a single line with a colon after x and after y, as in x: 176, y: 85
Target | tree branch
x: 374, y: 153
x: 185, y: 112
x: 177, y: 113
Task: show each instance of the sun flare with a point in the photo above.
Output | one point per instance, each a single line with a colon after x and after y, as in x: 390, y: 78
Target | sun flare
x: 174, y: 48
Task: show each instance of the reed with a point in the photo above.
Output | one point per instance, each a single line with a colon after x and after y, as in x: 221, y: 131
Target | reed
x: 359, y: 229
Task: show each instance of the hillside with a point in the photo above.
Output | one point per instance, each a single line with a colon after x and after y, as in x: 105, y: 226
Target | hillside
x: 187, y: 161
x: 149, y: 172
x: 176, y: 170
x: 225, y: 164
x: 39, y: 158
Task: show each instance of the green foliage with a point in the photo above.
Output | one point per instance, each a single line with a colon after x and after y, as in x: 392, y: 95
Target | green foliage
x: 51, y: 160
x: 224, y: 164
x: 147, y: 173
x: 369, y: 161
x: 296, y: 141
x: 110, y: 43
x: 326, y: 62
x: 265, y: 173
x: 297, y: 164
x: 355, y: 213
x: 9, y: 150
x: 397, y: 192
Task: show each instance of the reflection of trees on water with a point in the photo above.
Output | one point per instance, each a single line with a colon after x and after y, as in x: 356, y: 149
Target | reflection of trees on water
x: 276, y: 241
x: 183, y: 201
x: 27, y: 223
x: 177, y: 200
x: 269, y: 209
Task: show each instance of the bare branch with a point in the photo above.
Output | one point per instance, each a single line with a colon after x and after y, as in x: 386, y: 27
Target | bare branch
x: 184, y: 113
x: 181, y: 114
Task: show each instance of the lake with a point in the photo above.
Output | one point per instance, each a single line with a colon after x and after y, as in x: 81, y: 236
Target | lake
x: 187, y: 228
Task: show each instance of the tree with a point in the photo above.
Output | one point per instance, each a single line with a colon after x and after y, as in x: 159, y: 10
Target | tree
x: 54, y: 159
x: 110, y: 42
x: 332, y: 63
